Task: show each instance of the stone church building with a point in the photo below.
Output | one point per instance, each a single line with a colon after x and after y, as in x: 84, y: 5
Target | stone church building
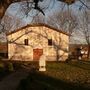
x: 30, y: 42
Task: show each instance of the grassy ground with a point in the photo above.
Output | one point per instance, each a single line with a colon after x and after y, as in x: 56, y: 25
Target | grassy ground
x: 59, y: 76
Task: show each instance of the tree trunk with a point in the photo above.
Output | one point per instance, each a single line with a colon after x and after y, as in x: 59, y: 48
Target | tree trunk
x: 88, y: 55
x: 2, y: 11
x: 57, y: 54
x: 4, y: 4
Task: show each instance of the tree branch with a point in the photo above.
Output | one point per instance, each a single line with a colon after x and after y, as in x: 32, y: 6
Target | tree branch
x: 84, y: 4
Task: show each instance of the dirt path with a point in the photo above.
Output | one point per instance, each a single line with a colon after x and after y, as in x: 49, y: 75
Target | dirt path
x: 11, y: 82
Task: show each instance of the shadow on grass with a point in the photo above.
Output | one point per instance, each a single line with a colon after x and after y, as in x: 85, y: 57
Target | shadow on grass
x: 39, y: 81
x: 4, y: 73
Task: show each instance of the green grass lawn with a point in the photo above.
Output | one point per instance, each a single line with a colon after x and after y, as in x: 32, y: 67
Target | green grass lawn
x: 59, y: 76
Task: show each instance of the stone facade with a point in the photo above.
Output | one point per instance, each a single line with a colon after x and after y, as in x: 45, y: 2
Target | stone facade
x: 30, y: 42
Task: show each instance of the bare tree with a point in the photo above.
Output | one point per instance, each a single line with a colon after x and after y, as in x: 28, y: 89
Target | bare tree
x: 84, y: 25
x: 9, y: 23
x: 39, y: 18
x: 65, y: 20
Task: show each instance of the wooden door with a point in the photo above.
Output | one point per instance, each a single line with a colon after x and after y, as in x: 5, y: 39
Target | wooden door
x: 37, y: 53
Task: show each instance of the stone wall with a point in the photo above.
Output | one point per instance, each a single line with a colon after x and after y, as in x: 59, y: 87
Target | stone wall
x: 37, y: 38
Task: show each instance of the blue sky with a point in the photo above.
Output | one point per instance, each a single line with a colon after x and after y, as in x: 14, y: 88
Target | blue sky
x: 53, y: 6
x: 14, y: 10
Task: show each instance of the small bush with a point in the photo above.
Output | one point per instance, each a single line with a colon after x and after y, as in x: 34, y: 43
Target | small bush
x: 2, y: 65
x: 9, y: 67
